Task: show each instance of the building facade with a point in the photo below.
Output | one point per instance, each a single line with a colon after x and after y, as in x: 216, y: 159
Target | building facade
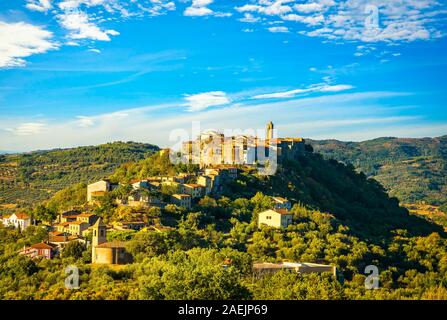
x: 213, y: 148
x: 98, y: 189
x: 278, y: 218
x: 181, y: 200
x: 17, y: 220
x: 104, y: 252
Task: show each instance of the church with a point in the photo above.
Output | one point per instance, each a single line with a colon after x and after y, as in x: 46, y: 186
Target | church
x: 104, y: 252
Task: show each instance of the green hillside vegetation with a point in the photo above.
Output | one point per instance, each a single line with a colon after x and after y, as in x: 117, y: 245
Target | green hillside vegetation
x: 340, y: 217
x: 413, y: 170
x: 28, y: 178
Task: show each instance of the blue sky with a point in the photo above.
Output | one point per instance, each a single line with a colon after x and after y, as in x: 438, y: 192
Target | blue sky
x: 82, y: 72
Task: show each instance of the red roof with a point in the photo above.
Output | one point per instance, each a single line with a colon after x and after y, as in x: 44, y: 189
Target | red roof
x: 113, y: 244
x: 42, y: 245
x: 85, y: 214
x: 22, y: 216
x: 282, y: 211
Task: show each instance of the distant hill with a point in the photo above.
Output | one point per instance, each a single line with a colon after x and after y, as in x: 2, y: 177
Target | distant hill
x: 27, y: 178
x: 413, y: 170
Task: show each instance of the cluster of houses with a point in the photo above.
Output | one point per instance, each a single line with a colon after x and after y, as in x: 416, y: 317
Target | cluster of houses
x: 210, y: 181
x: 213, y: 148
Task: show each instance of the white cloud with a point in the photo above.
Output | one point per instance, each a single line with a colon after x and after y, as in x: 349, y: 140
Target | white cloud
x: 308, y: 7
x: 81, y: 27
x: 74, y: 4
x: 270, y: 8
x: 357, y: 20
x: 197, y: 11
x: 311, y: 89
x: 309, y: 20
x: 351, y: 116
x: 202, y: 101
x: 39, y: 5
x: 249, y: 18
x: 199, y: 8
x: 21, y: 40
x: 278, y: 29
x: 85, y: 122
x: 26, y: 129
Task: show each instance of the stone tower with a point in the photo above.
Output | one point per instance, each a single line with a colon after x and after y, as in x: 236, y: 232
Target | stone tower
x: 269, y: 131
x: 99, y: 236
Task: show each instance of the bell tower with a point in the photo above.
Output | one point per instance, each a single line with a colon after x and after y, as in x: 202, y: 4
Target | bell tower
x: 269, y: 131
x: 99, y: 236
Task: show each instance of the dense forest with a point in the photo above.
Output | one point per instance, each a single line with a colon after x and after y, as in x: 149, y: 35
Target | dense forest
x: 413, y: 170
x: 340, y: 217
x: 28, y: 178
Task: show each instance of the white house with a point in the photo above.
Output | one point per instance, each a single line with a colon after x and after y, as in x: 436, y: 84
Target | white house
x: 279, y: 218
x: 17, y: 220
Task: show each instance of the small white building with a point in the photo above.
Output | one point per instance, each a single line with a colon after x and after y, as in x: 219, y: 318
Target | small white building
x: 17, y: 220
x: 278, y: 218
x: 99, y: 188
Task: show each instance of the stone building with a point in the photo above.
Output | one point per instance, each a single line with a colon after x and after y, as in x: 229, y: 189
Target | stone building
x: 98, y: 189
x: 213, y: 148
x: 181, y: 200
x: 104, y: 252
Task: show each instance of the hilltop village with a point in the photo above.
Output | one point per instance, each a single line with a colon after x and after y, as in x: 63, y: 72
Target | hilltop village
x: 220, y: 163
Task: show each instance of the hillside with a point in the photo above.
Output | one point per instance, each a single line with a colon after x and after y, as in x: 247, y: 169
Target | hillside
x: 339, y: 217
x: 28, y: 178
x: 413, y: 170
x: 329, y: 186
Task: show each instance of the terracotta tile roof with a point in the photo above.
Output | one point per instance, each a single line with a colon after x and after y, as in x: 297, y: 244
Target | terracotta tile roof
x: 70, y: 217
x: 56, y: 233
x: 282, y: 211
x: 42, y: 245
x: 63, y: 224
x: 113, y: 244
x: 22, y: 215
x: 58, y: 239
x: 86, y: 215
